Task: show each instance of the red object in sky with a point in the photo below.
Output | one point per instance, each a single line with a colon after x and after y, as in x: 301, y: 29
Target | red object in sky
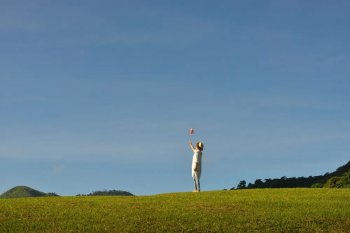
x: 191, y: 131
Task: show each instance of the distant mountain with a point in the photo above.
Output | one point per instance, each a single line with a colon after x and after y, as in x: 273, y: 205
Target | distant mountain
x: 108, y: 193
x: 24, y: 191
x: 337, y: 179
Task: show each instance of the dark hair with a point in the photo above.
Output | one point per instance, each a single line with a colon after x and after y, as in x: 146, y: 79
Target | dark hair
x: 200, y: 148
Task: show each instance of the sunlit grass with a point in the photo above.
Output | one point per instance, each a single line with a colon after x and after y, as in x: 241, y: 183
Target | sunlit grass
x: 260, y: 210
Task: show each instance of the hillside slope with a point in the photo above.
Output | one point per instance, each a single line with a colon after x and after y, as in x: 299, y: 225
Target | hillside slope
x: 341, y: 181
x: 23, y: 191
x: 256, y: 210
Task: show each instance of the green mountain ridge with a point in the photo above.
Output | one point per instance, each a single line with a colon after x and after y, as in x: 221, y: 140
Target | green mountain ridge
x: 24, y: 191
x: 340, y: 178
x: 108, y: 193
x: 342, y: 181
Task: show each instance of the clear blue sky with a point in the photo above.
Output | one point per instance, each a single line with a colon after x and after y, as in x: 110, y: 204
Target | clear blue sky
x: 100, y: 94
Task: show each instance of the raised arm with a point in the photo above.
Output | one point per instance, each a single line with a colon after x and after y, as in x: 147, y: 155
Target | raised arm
x: 190, y: 144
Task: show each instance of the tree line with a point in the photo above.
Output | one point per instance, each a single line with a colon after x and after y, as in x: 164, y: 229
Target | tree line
x: 337, y: 179
x: 108, y: 193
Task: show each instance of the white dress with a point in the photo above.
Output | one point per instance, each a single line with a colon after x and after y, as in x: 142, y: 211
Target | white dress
x: 197, y: 158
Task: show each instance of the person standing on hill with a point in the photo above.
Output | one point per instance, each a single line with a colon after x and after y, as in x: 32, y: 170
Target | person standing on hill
x: 196, y: 164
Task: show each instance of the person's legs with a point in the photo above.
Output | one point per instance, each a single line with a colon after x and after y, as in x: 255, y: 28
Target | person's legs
x: 196, y: 182
x: 198, y: 185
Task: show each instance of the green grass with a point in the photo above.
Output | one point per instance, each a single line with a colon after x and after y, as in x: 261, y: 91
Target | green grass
x: 259, y: 210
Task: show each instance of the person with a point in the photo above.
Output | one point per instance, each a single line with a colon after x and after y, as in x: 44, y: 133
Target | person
x: 196, y: 164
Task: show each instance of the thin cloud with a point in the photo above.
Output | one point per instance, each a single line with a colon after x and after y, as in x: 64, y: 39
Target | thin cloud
x: 58, y: 169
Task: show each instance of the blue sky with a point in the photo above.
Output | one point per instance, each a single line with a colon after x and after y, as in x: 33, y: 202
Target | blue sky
x: 101, y: 94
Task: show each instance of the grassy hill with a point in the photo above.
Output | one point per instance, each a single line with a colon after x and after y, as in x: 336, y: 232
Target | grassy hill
x: 249, y: 210
x: 341, y: 181
x: 23, y: 191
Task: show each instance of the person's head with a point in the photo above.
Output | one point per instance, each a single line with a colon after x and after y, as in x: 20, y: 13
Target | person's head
x: 200, y: 146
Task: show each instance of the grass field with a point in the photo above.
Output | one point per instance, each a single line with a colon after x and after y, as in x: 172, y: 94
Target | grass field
x: 259, y: 210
